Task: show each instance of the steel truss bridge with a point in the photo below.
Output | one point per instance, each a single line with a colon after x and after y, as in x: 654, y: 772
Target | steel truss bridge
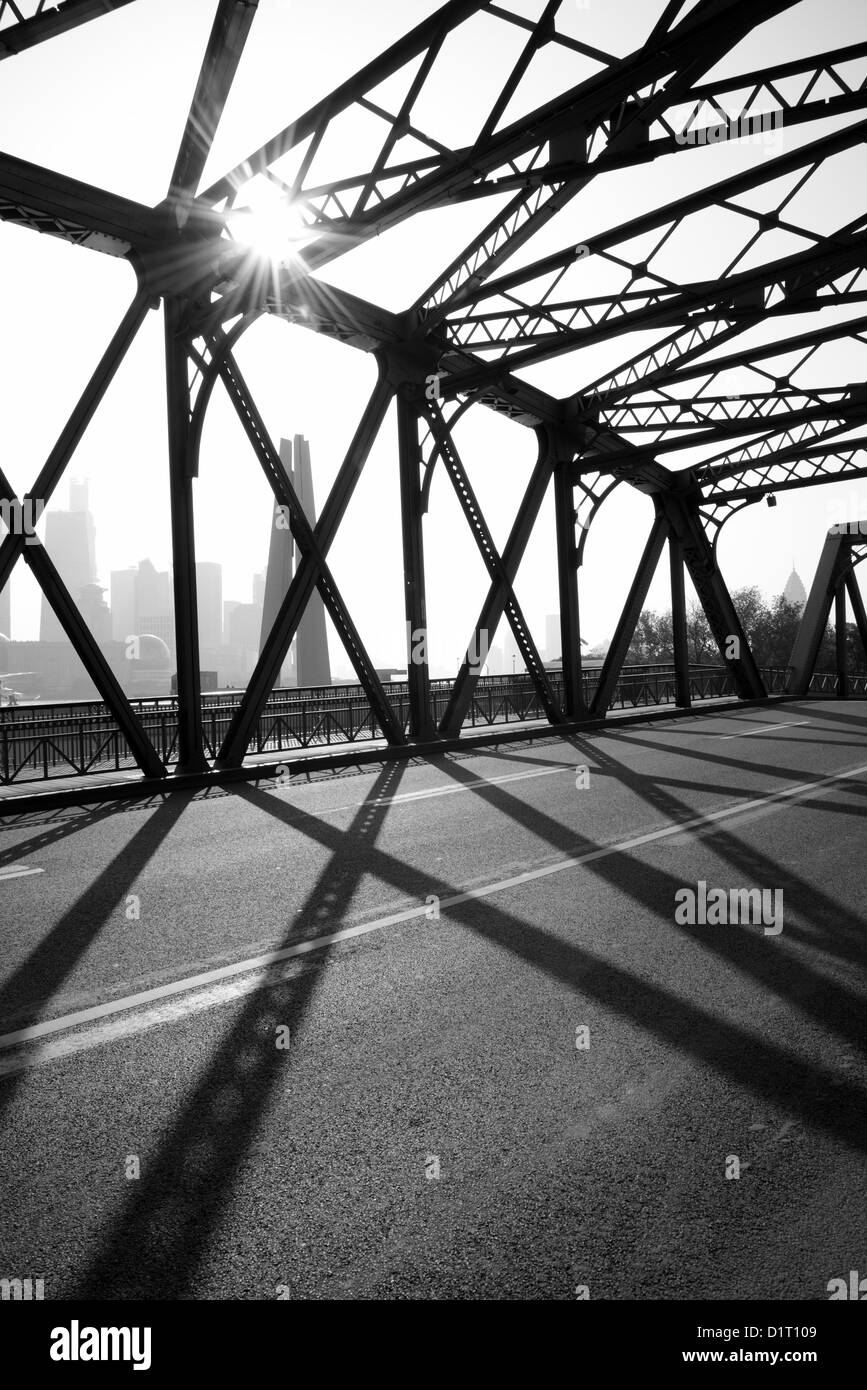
x: 465, y: 340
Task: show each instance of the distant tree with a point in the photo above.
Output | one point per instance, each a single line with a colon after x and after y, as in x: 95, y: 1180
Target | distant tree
x: 664, y: 638
x: 751, y: 609
x: 770, y: 630
x: 777, y: 634
x: 856, y: 649
x: 826, y: 659
x: 643, y: 637
x: 652, y: 639
x: 699, y: 638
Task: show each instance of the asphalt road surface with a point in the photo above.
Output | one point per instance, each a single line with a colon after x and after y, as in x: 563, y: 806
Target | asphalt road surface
x: 434, y: 1031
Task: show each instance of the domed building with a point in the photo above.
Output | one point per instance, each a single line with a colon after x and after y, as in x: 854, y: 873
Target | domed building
x: 153, y: 652
x: 148, y: 665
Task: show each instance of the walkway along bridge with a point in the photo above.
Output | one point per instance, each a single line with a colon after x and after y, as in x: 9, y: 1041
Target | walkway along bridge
x: 81, y: 737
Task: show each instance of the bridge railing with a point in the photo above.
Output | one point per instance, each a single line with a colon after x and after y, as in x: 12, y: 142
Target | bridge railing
x: 80, y: 737
x: 828, y: 683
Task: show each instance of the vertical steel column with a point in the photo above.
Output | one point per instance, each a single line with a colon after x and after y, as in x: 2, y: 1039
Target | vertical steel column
x: 421, y: 724
x: 857, y: 603
x: 191, y: 756
x: 714, y: 597
x: 501, y: 589
x: 567, y: 575
x: 814, y: 618
x: 626, y: 625
x: 495, y: 566
x: 840, y: 640
x: 678, y: 624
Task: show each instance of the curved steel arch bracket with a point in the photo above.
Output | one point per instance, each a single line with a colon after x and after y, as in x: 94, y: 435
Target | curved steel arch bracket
x: 208, y: 362
x: 430, y: 446
x: 596, y: 487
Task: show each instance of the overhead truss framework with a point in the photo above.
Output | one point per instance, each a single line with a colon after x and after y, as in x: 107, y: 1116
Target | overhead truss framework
x: 730, y: 369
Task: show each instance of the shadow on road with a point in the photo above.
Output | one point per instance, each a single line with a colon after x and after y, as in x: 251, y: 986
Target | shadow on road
x: 166, y: 1228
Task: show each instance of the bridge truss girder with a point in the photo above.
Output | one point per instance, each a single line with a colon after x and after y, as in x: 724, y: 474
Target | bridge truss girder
x: 628, y: 113
x: 844, y: 548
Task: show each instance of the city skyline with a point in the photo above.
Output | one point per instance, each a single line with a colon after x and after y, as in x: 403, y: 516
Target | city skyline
x: 141, y: 598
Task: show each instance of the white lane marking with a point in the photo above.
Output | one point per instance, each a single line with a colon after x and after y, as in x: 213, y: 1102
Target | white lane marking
x: 439, y: 791
x: 18, y: 871
x: 141, y: 1022
x: 255, y: 966
x: 765, y: 729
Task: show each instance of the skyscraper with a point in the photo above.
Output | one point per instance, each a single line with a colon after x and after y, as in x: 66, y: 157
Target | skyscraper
x: 153, y: 590
x: 124, y: 623
x: 141, y: 603
x: 229, y: 606
x: 95, y: 611
x: 795, y: 591
x: 70, y: 539
x: 245, y: 623
x: 312, y: 665
x: 209, y: 590
x: 154, y: 604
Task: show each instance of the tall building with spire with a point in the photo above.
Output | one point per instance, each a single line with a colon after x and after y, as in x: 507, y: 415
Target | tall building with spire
x: 794, y: 591
x: 312, y: 665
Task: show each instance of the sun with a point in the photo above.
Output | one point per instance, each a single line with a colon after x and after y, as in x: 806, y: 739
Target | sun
x: 268, y: 223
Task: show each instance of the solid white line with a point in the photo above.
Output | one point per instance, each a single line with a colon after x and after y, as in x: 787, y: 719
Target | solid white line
x: 257, y: 964
x: 765, y: 729
x: 18, y: 871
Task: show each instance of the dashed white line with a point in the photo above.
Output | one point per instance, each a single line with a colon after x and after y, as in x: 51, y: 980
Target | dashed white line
x: 18, y: 871
x: 449, y: 790
x: 765, y: 729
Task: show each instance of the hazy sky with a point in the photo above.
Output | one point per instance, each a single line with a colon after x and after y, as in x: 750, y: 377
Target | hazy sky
x: 107, y: 103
